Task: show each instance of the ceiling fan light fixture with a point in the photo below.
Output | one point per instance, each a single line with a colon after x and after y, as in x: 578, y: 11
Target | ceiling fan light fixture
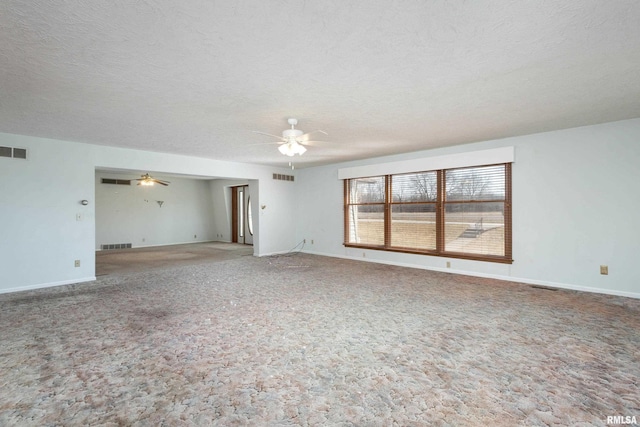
x: 292, y: 148
x: 148, y: 181
x: 300, y: 149
x: 285, y: 149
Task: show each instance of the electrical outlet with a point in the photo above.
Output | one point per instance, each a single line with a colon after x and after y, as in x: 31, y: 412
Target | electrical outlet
x: 195, y: 236
x: 304, y: 240
x: 77, y: 263
x: 364, y: 254
x: 448, y: 264
x: 312, y: 241
x: 604, y: 269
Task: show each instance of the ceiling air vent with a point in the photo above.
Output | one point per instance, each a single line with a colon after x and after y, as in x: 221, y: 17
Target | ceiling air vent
x: 116, y: 181
x: 282, y: 177
x: 20, y: 153
x: 16, y: 153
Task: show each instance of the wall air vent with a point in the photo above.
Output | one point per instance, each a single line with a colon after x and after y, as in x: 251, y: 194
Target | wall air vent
x: 116, y: 181
x: 115, y: 246
x: 16, y: 153
x: 20, y: 153
x: 282, y: 177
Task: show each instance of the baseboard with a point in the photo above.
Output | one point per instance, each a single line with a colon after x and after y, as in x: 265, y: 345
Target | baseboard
x: 47, y: 285
x: 277, y: 253
x: 489, y: 276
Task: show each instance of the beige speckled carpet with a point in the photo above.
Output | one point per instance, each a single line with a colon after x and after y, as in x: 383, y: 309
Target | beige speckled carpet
x: 308, y: 340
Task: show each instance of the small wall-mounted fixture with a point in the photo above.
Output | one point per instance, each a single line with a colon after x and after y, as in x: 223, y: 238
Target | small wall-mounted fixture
x: 84, y: 202
x: 263, y: 207
x: 160, y: 202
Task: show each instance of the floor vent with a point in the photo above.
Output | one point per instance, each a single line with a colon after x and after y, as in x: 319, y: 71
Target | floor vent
x: 116, y: 181
x: 282, y: 177
x: 16, y: 153
x: 115, y: 246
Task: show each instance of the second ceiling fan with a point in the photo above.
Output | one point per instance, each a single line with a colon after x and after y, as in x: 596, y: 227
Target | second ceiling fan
x: 148, y: 180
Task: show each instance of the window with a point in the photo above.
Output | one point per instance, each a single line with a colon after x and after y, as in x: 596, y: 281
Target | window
x: 458, y: 213
x: 366, y: 211
x: 413, y: 209
x: 249, y: 216
x: 241, y: 211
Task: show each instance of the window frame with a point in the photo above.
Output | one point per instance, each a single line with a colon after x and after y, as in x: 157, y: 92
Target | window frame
x: 440, y: 217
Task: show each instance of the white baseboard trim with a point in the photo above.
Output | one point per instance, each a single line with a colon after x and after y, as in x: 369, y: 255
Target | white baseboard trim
x: 277, y: 253
x: 46, y: 285
x: 490, y: 276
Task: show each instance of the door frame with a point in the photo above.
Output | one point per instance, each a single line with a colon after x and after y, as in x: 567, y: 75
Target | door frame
x: 235, y: 215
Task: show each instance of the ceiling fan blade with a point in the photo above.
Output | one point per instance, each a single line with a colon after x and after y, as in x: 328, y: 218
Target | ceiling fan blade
x: 268, y: 134
x: 306, y: 135
x: 165, y: 183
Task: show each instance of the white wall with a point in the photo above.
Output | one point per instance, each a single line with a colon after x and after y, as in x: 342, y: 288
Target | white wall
x: 40, y: 237
x: 131, y: 214
x: 575, y: 207
x: 275, y: 200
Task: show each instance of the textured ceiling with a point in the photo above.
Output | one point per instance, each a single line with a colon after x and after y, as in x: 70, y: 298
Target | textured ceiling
x: 380, y: 77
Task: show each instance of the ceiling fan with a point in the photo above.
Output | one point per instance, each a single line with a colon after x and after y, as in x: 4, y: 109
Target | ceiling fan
x: 149, y: 180
x: 293, y: 140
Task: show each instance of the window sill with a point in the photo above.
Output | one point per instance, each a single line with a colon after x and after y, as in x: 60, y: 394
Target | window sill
x: 457, y: 255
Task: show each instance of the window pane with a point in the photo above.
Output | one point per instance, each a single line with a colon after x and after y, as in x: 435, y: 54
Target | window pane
x: 249, y: 216
x: 241, y: 212
x: 366, y: 224
x: 475, y: 228
x: 414, y: 226
x: 366, y: 190
x: 481, y: 183
x: 415, y: 187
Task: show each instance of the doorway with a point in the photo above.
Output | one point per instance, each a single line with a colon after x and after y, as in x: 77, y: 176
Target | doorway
x: 241, y: 213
